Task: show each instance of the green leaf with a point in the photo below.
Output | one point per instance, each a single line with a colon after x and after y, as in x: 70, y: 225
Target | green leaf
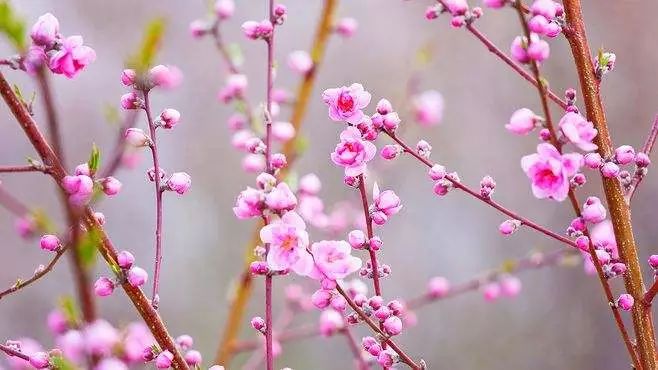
x: 43, y: 222
x: 69, y: 310
x: 94, y: 159
x: 142, y: 60
x: 60, y: 363
x: 88, y: 247
x: 12, y: 26
x: 301, y: 144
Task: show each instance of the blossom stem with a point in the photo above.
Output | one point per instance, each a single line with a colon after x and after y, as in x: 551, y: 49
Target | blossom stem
x: 368, y: 219
x: 459, y: 185
x: 20, y: 284
x: 354, y: 347
x: 28, y: 168
x: 12, y: 352
x: 647, y: 300
x: 302, y: 99
x: 646, y: 149
x: 575, y: 203
x: 105, y: 247
x: 120, y: 145
x: 619, y: 211
x: 15, y: 206
x: 158, y: 200
x: 403, y: 356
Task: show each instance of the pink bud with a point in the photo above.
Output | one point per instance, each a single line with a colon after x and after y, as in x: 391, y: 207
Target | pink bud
x: 625, y: 154
x: 128, y: 77
x: 384, y: 107
x: 193, y: 358
x: 510, y: 286
x: 610, y: 169
x: 642, y: 160
x: 437, y: 172
x: 423, y: 148
x: 169, y: 117
x: 433, y: 11
x: 111, y: 186
x: 625, y: 302
x: 136, y: 137
x: 166, y: 77
x: 185, y: 341
x: 346, y: 27
x: 50, y: 243
x: 539, y: 50
x: 375, y: 243
x: 603, y: 256
x: 383, y: 313
x: 547, y: 8
x: 82, y: 169
x: 391, y: 151
x: 593, y: 160
x: 130, y: 101
x: 321, y: 298
x: 518, y: 50
x: 279, y: 161
x: 386, y: 359
x: 357, y: 239
x: 283, y: 131
x: 393, y: 325
x: 40, y: 360
x: 375, y: 302
x: 180, y: 182
x: 45, y: 30
x: 593, y: 210
x: 338, y: 303
x: 125, y: 259
x: 391, y: 121
x: 164, y: 360
x: 522, y: 122
x: 300, y: 62
x: 582, y: 242
x: 259, y: 268
x: 491, y: 291
x: 538, y: 24
x: 224, y: 9
x: 653, y: 261
x: 103, y: 287
x: 258, y: 323
x: 438, y: 287
x: 508, y: 227
x: 137, y: 276
x: 494, y: 4
x: 310, y: 184
x: 544, y: 135
x: 458, y: 21
x: 198, y: 28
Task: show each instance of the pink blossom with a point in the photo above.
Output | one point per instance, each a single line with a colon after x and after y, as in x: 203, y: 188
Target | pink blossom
x: 283, y: 131
x: 438, y: 287
x: 457, y: 7
x: 72, y: 58
x: 522, y: 122
x: 103, y: 287
x: 50, y: 243
x: 549, y: 171
x: 180, y: 182
x: 29, y: 347
x: 625, y: 302
x: 333, y: 260
x: 610, y: 170
x: 72, y: 344
x: 624, y: 154
x: 300, y: 61
x: 428, y: 108
x: 224, y: 9
x: 249, y: 203
x: 281, y: 198
x: 331, y: 321
x: 593, y: 210
x: 111, y: 186
x: 165, y: 76
x: 392, y: 325
x: 579, y: 131
x: 547, y: 8
x: 310, y: 184
x: 128, y: 77
x: 34, y: 58
x: 257, y: 30
x: 352, y: 152
x: 137, y: 276
x: 40, y: 360
x: 125, y: 259
x: 391, y: 151
x: 164, y: 360
x: 288, y: 240
x: 491, y: 291
x: 137, y: 137
x: 100, y: 337
x: 45, y: 30
x: 385, y: 204
x: 111, y: 363
x: 494, y: 4
x: 57, y: 322
x: 253, y: 163
x: 130, y: 101
x: 169, y: 118
x: 346, y: 27
x: 346, y: 103
x: 510, y: 286
x: 136, y: 337
x: 193, y: 358
x: 508, y: 227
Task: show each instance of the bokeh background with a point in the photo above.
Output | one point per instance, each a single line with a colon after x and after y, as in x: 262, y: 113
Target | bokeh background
x: 560, y: 321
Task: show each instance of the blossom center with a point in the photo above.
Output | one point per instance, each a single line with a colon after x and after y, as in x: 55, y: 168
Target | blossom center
x: 345, y: 102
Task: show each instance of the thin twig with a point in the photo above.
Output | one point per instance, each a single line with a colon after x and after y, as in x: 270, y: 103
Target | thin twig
x: 20, y: 284
x: 646, y: 149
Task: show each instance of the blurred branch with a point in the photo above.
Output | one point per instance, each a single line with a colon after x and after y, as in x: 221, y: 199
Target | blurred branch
x: 646, y: 149
x: 20, y: 284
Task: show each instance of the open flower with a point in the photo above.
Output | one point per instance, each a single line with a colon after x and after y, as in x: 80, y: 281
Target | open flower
x: 333, y: 260
x: 428, y: 108
x: 288, y: 240
x: 72, y: 57
x: 579, y: 131
x: 352, y: 152
x: 346, y: 103
x: 549, y: 171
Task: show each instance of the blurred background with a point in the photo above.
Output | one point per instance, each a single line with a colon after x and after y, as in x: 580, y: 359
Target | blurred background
x: 560, y: 321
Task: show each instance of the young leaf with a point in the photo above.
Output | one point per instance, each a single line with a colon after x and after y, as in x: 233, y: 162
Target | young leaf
x: 12, y: 26
x: 142, y: 60
x: 88, y: 247
x: 69, y: 310
x: 94, y: 159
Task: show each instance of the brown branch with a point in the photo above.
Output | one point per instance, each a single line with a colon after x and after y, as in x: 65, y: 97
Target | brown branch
x: 620, y: 213
x: 37, y: 275
x: 646, y: 149
x: 106, y: 248
x: 26, y: 168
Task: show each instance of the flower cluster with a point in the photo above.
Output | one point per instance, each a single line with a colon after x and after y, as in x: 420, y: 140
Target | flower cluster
x: 80, y: 186
x: 62, y: 55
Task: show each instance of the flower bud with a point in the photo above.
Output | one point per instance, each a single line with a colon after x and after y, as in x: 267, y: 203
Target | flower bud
x: 164, y: 360
x: 169, y: 118
x: 137, y: 276
x: 180, y: 182
x: 125, y: 259
x: 111, y: 186
x: 103, y: 287
x: 50, y: 243
x: 137, y: 138
x: 128, y: 77
x: 625, y: 302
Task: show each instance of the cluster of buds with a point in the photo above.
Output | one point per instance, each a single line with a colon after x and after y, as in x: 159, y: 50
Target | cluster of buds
x: 162, y: 76
x: 126, y: 271
x: 252, y: 202
x: 80, y: 186
x: 388, y: 314
x: 383, y: 270
x: 223, y: 10
x: 458, y: 9
x: 443, y: 182
x: 487, y: 187
x: 385, y: 204
x: 611, y: 167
